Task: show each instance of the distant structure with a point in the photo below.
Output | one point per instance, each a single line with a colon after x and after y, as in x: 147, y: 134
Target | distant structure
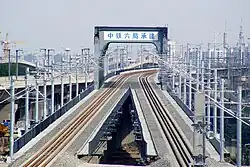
x: 6, y: 45
x: 172, y: 49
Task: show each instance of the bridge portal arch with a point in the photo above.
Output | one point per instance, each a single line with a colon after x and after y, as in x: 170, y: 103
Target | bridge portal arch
x: 104, y: 36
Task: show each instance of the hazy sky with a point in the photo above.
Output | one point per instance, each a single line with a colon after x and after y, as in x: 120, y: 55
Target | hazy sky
x: 70, y: 23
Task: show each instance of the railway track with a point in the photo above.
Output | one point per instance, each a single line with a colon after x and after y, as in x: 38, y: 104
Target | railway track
x: 173, y: 134
x: 47, y: 153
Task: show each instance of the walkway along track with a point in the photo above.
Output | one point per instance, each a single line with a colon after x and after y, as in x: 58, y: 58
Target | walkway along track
x: 47, y: 153
x: 172, y: 132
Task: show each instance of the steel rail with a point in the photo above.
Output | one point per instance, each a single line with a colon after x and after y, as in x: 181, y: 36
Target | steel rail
x: 170, y: 129
x: 63, y: 135
x: 59, y: 141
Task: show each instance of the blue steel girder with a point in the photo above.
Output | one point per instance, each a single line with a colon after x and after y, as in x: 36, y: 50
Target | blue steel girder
x: 101, y: 45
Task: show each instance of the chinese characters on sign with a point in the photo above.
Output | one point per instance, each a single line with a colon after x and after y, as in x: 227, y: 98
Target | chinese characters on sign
x: 130, y: 36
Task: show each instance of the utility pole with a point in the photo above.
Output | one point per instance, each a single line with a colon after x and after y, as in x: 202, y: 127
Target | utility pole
x: 52, y: 89
x: 180, y: 85
x: 190, y: 87
x: 214, y: 55
x: 202, y: 75
x: 10, y: 61
x: 209, y: 91
x: 45, y: 95
x: 77, y: 85
x: 126, y: 53
x: 185, y: 91
x: 241, y: 43
x: 27, y: 101
x: 86, y: 59
x: 86, y: 72
x: 44, y: 85
x: 141, y: 57
x: 78, y: 61
x: 248, y: 46
x: 197, y: 69
x: 52, y: 80
x: 12, y: 117
x: 188, y: 57
x: 225, y: 54
x: 173, y: 82
x: 215, y: 105
x: 37, y: 95
x: 185, y: 82
x: 222, y: 145
x: 222, y: 123
x: 69, y: 71
x: 17, y: 62
x: 70, y: 83
x: 70, y: 77
x: 117, y: 58
x: 239, y: 124
x: 122, y: 58
x: 62, y: 86
x: 83, y: 64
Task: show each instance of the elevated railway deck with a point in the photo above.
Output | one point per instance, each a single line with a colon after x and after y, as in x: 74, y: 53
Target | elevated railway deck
x: 58, y: 147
